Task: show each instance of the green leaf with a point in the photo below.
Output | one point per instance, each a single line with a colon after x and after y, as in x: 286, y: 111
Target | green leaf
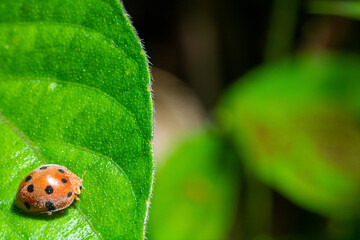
x: 349, y: 9
x: 295, y: 123
x: 196, y: 191
x: 74, y: 90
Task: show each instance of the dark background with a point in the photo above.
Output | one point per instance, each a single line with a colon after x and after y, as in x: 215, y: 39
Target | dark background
x: 208, y: 45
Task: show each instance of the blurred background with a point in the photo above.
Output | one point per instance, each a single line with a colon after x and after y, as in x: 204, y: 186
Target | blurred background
x: 257, y: 110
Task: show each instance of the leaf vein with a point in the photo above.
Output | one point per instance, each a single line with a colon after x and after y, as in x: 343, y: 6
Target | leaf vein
x: 100, y: 155
x: 23, y: 137
x: 107, y: 95
x: 36, y: 150
x: 88, y: 221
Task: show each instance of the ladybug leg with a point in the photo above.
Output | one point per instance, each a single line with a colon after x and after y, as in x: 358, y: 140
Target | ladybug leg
x: 62, y: 211
x: 77, y: 198
x: 49, y: 213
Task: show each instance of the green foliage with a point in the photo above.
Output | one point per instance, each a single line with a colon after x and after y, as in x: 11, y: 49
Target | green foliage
x: 350, y: 9
x: 195, y: 192
x: 74, y: 90
x: 295, y: 123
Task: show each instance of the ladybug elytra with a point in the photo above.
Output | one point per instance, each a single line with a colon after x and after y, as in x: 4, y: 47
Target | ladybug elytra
x: 48, y: 189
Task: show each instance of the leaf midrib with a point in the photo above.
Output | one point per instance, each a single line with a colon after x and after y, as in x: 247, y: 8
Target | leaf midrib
x: 36, y: 151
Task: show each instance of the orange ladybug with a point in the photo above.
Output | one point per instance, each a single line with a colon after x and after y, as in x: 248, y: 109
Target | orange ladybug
x: 48, y: 189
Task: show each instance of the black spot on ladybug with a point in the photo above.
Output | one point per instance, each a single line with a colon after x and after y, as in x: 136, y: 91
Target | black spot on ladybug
x: 27, y: 205
x: 69, y: 194
x: 50, y: 206
x: 60, y: 170
x: 80, y: 187
x: 44, y: 167
x: 30, y: 188
x: 28, y: 178
x: 49, y: 189
x: 64, y: 180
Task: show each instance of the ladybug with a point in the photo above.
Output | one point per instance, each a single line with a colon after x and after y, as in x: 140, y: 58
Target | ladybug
x: 48, y: 189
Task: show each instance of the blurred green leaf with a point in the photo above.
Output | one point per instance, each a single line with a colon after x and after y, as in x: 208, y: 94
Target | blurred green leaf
x: 74, y: 90
x: 350, y: 9
x: 195, y: 192
x: 296, y: 123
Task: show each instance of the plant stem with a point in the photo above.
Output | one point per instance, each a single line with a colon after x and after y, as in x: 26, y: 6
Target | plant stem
x: 281, y: 29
